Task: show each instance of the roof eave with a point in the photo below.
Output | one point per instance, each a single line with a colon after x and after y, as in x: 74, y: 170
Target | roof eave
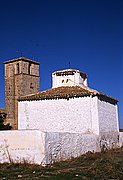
x: 107, y: 99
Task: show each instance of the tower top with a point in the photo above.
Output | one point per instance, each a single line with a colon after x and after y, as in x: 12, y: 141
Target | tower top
x: 70, y: 72
x: 69, y: 77
x: 21, y: 59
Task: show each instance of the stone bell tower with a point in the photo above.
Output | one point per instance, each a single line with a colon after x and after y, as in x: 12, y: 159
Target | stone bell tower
x: 21, y: 78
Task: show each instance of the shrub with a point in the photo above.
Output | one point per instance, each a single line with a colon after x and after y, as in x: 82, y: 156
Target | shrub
x: 2, y: 125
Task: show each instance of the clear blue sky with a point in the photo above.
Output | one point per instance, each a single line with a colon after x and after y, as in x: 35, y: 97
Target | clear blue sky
x: 88, y: 33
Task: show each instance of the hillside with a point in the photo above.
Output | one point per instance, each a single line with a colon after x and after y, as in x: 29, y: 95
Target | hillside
x: 105, y: 165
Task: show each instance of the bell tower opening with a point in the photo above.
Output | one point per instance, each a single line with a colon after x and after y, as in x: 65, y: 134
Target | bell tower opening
x: 29, y: 68
x: 18, y: 68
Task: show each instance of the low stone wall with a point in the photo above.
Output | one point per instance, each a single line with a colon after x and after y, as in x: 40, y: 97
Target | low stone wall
x: 35, y: 146
x: 121, y: 139
x: 18, y: 146
x: 61, y: 146
x: 109, y: 140
x: 39, y: 147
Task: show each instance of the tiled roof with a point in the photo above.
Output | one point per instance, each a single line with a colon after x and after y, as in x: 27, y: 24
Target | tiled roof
x: 66, y: 92
x: 21, y: 59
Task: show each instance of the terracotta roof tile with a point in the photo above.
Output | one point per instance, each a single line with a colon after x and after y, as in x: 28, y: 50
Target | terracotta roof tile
x: 66, y: 92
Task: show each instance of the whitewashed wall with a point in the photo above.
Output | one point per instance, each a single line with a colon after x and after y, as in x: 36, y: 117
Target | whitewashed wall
x: 61, y: 146
x: 68, y: 80
x: 77, y: 115
x: 109, y: 140
x: 108, y: 117
x: 121, y: 139
x: 42, y: 148
x: 17, y: 146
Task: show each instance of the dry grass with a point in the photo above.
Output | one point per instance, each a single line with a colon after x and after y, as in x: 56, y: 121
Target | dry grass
x: 106, y: 165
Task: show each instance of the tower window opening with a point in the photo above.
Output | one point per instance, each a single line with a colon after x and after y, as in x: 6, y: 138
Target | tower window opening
x: 18, y: 68
x: 29, y: 68
x: 31, y: 86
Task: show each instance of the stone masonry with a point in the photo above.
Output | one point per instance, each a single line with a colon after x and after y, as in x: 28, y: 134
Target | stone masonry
x: 21, y: 78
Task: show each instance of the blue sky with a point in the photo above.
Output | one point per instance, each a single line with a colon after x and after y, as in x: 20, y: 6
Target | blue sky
x: 86, y: 33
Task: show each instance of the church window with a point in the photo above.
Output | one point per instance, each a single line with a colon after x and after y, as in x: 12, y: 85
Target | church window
x: 18, y: 68
x: 31, y: 86
x: 66, y: 80
x: 29, y: 68
x: 9, y: 89
x: 62, y: 81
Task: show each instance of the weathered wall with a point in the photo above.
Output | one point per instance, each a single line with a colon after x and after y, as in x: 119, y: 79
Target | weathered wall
x: 78, y: 115
x: 34, y: 68
x: 39, y: 147
x: 121, y: 139
x: 10, y: 93
x: 21, y: 78
x: 26, y: 84
x: 22, y: 145
x: 67, y: 80
x: 62, y: 80
x: 108, y: 117
x: 109, y: 140
x: 61, y: 146
x: 74, y: 115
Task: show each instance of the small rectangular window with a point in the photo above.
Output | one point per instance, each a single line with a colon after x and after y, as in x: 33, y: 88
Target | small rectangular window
x: 18, y: 68
x: 29, y: 68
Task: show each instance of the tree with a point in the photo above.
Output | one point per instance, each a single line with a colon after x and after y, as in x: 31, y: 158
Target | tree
x: 2, y: 125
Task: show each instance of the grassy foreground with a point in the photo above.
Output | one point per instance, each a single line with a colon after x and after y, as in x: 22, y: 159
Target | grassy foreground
x: 106, y: 165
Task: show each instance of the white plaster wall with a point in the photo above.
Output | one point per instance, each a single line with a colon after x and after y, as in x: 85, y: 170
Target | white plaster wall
x: 109, y: 140
x: 67, y: 80
x: 47, y: 147
x: 73, y: 115
x: 61, y: 146
x: 77, y: 79
x: 22, y: 145
x: 44, y: 148
x: 58, y: 80
x: 108, y: 117
x: 121, y: 139
x: 94, y: 115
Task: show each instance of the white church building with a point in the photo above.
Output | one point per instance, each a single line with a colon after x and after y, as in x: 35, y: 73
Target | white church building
x: 69, y: 106
x: 62, y: 122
